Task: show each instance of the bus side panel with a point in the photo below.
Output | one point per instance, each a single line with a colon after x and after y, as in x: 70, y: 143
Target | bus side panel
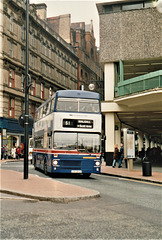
x: 39, y: 160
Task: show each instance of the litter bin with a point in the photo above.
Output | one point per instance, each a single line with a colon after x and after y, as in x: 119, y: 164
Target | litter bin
x: 147, y: 168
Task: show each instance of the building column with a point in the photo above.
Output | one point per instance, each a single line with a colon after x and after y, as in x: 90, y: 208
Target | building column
x: 109, y: 81
x: 109, y: 142
x: 152, y: 144
x: 146, y: 142
x: 117, y: 137
x: 140, y: 141
x: 109, y: 117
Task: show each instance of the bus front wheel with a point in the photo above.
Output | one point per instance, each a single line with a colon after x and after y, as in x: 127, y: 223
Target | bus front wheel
x: 45, y: 168
x: 35, y: 167
x: 86, y: 175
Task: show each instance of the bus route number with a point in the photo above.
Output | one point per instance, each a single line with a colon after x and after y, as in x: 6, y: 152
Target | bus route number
x: 77, y: 123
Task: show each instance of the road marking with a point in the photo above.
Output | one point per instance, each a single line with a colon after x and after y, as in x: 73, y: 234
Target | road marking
x: 128, y: 179
x: 140, y: 181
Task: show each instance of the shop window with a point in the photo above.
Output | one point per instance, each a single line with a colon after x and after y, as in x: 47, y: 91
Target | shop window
x: 11, y: 141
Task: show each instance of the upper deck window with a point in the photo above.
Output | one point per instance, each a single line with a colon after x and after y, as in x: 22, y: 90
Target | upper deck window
x: 89, y: 105
x: 77, y: 105
x: 67, y: 105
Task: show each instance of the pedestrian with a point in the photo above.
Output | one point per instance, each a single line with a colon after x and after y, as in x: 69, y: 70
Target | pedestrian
x: 115, y: 155
x: 13, y: 152
x: 121, y: 155
x: 19, y: 152
x: 3, y: 152
x: 7, y: 150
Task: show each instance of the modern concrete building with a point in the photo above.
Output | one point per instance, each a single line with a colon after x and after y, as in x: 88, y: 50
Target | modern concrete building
x: 53, y: 65
x: 131, y: 53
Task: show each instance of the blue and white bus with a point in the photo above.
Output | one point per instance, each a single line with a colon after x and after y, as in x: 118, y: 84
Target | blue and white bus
x: 67, y: 133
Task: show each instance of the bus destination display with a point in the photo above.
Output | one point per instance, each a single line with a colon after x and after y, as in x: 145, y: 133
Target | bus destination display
x: 76, y: 123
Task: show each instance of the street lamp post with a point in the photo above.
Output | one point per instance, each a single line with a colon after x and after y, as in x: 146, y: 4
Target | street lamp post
x: 26, y: 122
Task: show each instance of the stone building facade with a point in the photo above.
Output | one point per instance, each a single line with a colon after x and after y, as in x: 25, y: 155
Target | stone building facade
x: 53, y: 65
x: 81, y: 37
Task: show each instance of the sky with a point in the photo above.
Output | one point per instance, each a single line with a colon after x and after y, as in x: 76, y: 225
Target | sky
x: 81, y: 11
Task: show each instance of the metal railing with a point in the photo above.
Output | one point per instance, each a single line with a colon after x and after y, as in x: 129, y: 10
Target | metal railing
x: 139, y: 84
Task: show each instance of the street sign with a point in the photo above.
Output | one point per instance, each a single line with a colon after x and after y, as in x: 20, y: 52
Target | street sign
x: 130, y: 144
x: 22, y: 120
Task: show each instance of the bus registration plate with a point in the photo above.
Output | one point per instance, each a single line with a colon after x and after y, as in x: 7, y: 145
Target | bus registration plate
x: 76, y: 171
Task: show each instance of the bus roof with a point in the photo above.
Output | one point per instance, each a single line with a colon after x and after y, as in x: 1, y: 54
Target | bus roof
x: 77, y: 94
x: 72, y: 94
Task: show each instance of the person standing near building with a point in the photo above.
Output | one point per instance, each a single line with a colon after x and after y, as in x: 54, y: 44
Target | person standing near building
x: 13, y: 152
x: 121, y: 155
x: 19, y: 152
x: 115, y: 155
x: 7, y: 151
x: 3, y: 152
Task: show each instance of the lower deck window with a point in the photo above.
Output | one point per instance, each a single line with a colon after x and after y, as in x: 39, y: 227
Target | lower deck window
x: 83, y: 142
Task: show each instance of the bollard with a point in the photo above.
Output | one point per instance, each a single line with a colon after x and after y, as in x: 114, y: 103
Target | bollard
x: 130, y: 164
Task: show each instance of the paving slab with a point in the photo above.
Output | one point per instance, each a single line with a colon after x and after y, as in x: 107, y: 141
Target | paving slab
x: 43, y: 189
x: 156, y: 177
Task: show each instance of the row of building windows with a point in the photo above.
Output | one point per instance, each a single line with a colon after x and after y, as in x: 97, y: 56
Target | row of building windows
x: 62, y: 62
x: 45, y: 49
x: 60, y: 78
x: 11, y: 108
x: 129, y: 6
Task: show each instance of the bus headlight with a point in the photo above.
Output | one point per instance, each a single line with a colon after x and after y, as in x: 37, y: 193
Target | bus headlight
x: 97, y: 163
x: 55, y: 162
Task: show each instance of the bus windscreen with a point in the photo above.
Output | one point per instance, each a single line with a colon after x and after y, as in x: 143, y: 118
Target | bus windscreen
x: 83, y: 142
x: 77, y: 105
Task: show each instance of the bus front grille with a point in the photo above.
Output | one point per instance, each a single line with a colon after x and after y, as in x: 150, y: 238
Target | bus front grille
x: 71, y: 164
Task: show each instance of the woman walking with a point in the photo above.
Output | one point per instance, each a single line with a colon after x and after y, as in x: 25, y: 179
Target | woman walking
x: 115, y: 155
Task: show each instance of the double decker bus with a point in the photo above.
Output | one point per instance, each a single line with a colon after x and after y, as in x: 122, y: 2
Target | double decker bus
x: 67, y: 133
